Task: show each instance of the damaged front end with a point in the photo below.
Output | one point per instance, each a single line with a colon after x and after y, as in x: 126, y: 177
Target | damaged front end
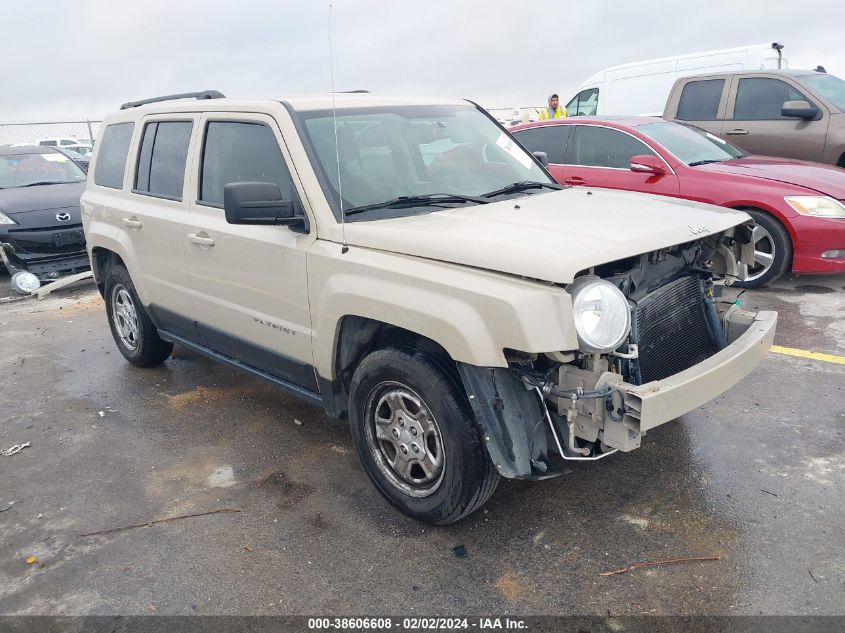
x: 682, y: 344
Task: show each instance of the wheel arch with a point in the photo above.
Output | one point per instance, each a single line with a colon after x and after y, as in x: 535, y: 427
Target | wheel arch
x: 102, y: 259
x: 358, y: 336
x: 793, y: 237
x: 108, y: 250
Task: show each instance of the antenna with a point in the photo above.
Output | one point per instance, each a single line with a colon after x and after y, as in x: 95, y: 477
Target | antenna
x: 344, y: 248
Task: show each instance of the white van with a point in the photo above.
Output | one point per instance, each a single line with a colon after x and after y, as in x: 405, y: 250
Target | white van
x: 641, y: 88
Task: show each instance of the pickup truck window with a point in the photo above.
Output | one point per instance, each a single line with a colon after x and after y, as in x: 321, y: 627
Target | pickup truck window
x: 830, y: 87
x: 692, y: 145
x: 761, y: 98
x: 397, y: 151
x: 240, y: 152
x: 700, y: 100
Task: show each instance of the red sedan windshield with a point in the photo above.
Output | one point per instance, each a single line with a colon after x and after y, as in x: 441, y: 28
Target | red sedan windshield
x: 691, y: 145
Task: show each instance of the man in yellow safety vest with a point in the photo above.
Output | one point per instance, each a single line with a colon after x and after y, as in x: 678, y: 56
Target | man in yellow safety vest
x: 554, y: 111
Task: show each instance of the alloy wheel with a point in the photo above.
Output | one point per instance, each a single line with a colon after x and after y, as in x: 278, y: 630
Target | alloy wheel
x: 125, y: 317
x: 404, y: 439
x: 764, y: 254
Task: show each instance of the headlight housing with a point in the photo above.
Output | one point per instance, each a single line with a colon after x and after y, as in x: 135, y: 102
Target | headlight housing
x: 818, y: 206
x: 601, y: 313
x: 5, y: 219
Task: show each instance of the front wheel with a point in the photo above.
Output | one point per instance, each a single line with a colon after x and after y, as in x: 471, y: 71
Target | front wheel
x: 417, y: 438
x: 772, y: 251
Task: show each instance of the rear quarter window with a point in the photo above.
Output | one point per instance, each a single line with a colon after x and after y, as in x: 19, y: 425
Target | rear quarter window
x: 111, y: 160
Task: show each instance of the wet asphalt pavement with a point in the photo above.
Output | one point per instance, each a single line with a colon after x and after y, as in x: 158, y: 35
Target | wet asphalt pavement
x: 755, y: 477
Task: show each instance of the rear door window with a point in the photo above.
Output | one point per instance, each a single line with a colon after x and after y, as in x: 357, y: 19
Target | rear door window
x: 594, y: 146
x: 700, y: 100
x: 761, y: 98
x: 162, y: 157
x: 242, y: 152
x: 550, y: 139
x: 111, y: 159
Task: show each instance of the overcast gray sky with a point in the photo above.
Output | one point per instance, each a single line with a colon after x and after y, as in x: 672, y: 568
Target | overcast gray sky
x: 83, y: 58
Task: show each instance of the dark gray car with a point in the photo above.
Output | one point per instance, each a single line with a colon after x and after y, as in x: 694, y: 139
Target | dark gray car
x: 40, y: 225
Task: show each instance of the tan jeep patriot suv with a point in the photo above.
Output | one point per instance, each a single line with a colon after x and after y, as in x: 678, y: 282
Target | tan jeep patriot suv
x: 406, y: 264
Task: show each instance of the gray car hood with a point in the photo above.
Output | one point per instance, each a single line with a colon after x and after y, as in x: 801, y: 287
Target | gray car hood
x: 551, y: 236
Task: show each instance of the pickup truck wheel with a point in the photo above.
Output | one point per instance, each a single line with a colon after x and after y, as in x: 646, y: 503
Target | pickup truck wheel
x: 133, y: 331
x: 772, y: 251
x: 417, y: 438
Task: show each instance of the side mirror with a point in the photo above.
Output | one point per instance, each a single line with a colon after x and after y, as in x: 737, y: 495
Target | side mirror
x: 542, y: 157
x: 800, y: 110
x: 646, y: 164
x: 260, y: 203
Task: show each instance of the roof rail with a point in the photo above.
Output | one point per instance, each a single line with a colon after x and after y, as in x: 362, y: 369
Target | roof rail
x: 203, y: 94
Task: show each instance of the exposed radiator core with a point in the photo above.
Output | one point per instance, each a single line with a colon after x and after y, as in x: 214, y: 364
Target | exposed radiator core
x: 671, y: 330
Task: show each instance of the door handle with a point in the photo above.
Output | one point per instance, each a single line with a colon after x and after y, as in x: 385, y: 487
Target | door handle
x: 574, y: 180
x: 133, y: 222
x: 201, y: 238
x: 737, y: 132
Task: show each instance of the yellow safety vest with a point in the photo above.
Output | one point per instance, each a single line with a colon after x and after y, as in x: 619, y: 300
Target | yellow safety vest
x: 559, y: 113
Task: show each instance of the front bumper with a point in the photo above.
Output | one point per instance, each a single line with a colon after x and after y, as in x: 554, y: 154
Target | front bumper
x: 48, y: 253
x: 521, y: 428
x: 658, y: 402
x: 814, y: 237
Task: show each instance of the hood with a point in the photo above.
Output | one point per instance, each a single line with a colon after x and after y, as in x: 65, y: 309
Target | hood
x: 43, y: 197
x: 825, y: 179
x: 551, y: 236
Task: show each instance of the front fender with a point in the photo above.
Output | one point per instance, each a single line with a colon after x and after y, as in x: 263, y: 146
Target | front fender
x: 473, y: 314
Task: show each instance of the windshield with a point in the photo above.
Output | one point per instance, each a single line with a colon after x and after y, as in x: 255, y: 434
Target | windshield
x: 830, y: 87
x: 690, y: 144
x: 21, y: 170
x: 401, y: 151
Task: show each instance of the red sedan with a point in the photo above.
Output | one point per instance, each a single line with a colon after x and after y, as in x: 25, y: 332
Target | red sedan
x: 799, y: 206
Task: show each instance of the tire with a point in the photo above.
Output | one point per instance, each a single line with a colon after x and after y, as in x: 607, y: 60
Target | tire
x: 447, y: 472
x: 133, y: 331
x: 773, y: 247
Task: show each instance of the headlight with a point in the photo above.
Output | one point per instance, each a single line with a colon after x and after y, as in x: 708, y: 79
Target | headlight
x: 819, y: 206
x: 5, y: 219
x: 602, y: 316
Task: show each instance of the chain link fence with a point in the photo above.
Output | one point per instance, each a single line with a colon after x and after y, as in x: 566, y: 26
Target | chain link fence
x: 49, y: 133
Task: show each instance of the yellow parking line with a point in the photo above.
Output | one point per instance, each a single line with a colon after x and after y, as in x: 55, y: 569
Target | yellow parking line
x: 802, y: 353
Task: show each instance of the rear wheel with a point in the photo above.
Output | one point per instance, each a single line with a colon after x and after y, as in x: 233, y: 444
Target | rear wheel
x: 417, y: 439
x: 772, y: 251
x: 133, y: 331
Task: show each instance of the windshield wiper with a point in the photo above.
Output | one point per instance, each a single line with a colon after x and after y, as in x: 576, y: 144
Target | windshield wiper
x: 44, y: 182
x: 426, y: 200
x: 706, y: 162
x: 523, y: 185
